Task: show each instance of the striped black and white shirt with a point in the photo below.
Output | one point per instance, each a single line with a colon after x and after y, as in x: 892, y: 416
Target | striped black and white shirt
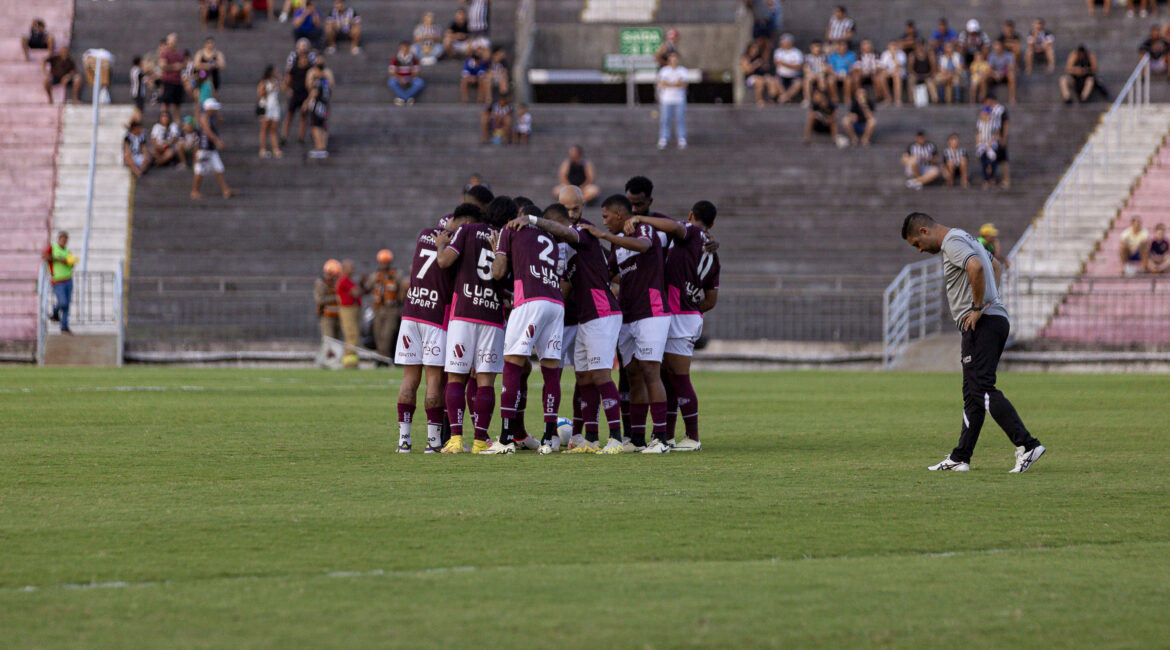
x: 478, y: 15
x: 985, y: 133
x: 839, y: 28
x: 998, y: 115
x: 923, y: 153
x: 954, y: 156
x: 137, y: 82
x: 292, y: 60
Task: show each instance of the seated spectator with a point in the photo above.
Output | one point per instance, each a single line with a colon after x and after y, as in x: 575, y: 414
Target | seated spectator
x: 38, y: 38
x: 188, y: 144
x: 1104, y: 6
x: 523, y: 124
x: 498, y: 71
x: 61, y: 70
x: 1133, y: 246
x: 755, y: 74
x: 403, y: 76
x: 822, y: 117
x: 1080, y: 75
x: 307, y: 23
x: 343, y: 22
x: 789, y: 64
x: 920, y: 74
x: 1003, y: 70
x: 950, y: 72
x: 1011, y: 40
x: 954, y: 159
x: 1157, y: 252
x: 1132, y: 5
x: 1041, y: 45
x: 840, y: 29
x: 457, y: 38
x: 973, y: 40
x: 859, y: 122
x: 987, y: 146
x: 477, y: 21
x: 920, y: 162
x: 941, y: 36
x: 816, y: 72
x: 766, y: 17
x: 668, y: 47
x: 891, y: 72
x: 428, y: 40
x: 977, y: 75
x: 290, y: 6
x: 475, y: 73
x: 577, y: 170
x: 865, y: 70
x: 164, y: 139
x: 496, y: 121
x: 841, y: 71
x: 909, y: 38
x: 240, y: 11
x: 1158, y: 50
x: 212, y: 10
x: 135, y: 155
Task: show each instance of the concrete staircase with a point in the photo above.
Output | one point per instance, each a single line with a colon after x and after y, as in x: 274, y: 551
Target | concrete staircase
x: 618, y: 11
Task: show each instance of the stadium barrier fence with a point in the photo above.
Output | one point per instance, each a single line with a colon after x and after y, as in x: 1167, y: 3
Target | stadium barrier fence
x: 914, y: 307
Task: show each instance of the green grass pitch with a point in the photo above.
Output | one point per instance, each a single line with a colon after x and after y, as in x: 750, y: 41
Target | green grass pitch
x: 148, y: 507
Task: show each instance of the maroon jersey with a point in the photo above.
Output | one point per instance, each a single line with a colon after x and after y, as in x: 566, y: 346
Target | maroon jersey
x: 588, y: 272
x: 477, y: 298
x: 429, y: 298
x: 687, y: 269
x: 567, y: 253
x: 532, y: 254
x: 641, y: 294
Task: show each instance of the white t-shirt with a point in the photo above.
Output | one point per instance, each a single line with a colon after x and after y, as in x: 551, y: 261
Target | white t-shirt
x: 671, y: 94
x: 160, y: 134
x: 791, y: 56
x: 892, y: 61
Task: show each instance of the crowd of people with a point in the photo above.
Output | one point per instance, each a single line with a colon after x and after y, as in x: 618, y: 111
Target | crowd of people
x: 925, y: 164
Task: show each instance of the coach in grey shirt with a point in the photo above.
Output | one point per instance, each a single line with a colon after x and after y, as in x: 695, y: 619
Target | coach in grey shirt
x: 974, y: 301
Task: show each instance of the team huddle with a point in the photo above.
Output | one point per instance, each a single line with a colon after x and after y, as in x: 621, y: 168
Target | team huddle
x: 500, y: 281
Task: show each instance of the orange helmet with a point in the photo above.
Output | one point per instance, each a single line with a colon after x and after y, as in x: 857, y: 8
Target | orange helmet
x: 332, y: 267
x: 385, y: 256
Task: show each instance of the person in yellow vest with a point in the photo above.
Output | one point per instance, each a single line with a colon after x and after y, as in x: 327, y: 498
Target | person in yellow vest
x: 349, y: 300
x: 325, y: 295
x: 388, y: 291
x: 61, y: 263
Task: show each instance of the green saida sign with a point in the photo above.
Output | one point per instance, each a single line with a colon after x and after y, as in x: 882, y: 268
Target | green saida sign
x: 640, y: 40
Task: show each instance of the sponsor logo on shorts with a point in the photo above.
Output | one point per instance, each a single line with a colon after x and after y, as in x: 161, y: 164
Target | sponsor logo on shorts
x: 433, y: 350
x: 459, y: 350
x: 648, y: 351
x: 593, y: 361
x: 488, y: 357
x: 531, y: 330
x: 406, y: 342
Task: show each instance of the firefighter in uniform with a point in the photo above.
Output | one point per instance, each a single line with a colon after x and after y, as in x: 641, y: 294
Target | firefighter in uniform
x: 325, y: 295
x: 387, y: 290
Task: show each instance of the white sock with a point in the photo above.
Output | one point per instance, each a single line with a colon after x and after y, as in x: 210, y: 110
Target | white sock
x: 404, y: 434
x: 434, y: 435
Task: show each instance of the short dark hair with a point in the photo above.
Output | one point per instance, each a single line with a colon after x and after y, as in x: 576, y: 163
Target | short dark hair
x: 481, y: 194
x: 815, y: 41
x: 531, y: 210
x: 914, y: 221
x: 468, y: 210
x: 500, y: 211
x: 556, y: 212
x: 619, y: 201
x: 640, y: 185
x: 705, y: 212
x: 523, y: 201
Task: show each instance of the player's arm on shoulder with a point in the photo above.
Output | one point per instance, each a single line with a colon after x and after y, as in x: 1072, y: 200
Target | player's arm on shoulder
x: 561, y: 232
x: 500, y: 265
x: 446, y: 254
x: 675, y: 229
x: 710, y: 297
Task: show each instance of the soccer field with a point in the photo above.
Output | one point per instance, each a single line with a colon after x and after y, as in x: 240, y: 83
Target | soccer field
x: 148, y: 507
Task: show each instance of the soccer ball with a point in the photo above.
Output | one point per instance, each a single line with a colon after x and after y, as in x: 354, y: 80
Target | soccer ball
x: 564, y: 431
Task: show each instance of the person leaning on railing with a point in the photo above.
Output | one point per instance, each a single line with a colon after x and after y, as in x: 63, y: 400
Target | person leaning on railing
x: 61, y: 263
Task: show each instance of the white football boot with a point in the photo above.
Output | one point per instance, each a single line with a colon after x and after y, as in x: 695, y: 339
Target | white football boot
x: 496, y: 449
x: 686, y: 444
x: 656, y: 446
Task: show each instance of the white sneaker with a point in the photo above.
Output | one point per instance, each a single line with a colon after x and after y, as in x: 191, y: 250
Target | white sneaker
x: 576, y: 441
x: 631, y: 448
x: 284, y: 17
x: 496, y: 449
x: 682, y: 144
x: 656, y: 447
x: 404, y: 447
x: 913, y: 184
x: 661, y: 145
x: 331, y: 50
x: 613, y: 447
x: 530, y: 443
x: 398, y: 101
x: 949, y: 465
x: 1024, y: 459
x: 687, y: 445
x: 545, y: 450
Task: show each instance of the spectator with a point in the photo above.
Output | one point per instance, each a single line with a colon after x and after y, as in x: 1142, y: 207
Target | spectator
x: 38, y: 38
x: 192, y: 83
x: 920, y: 162
x: 816, y: 72
x: 139, y: 80
x: 755, y: 74
x: 523, y: 124
x: 840, y: 28
x: 388, y: 289
x: 668, y: 47
x: 240, y: 11
x: 268, y: 107
x: 978, y: 74
x: 840, y: 71
x: 672, y: 102
x: 859, y: 122
x: 498, y: 71
x: 289, y: 7
x: 307, y: 23
x: 1133, y: 246
x: 343, y: 22
x: 822, y: 117
x: 208, y: 62
x: 891, y: 72
x: 171, y: 65
x: 457, y: 38
x: 1080, y: 75
x: 212, y: 10
x: 1104, y: 6
x: 577, y: 170
x: 61, y: 70
x: 475, y: 73
x: 428, y: 40
x: 949, y: 74
x: 325, y: 296
x: 349, y: 301
x: 941, y: 36
x: 1144, y: 5
x: 989, y: 240
x: 403, y: 76
x: 135, y: 154
x: 954, y: 159
x: 296, y: 74
x: 1157, y: 252
x: 973, y: 40
x: 320, y: 84
x: 909, y: 38
x: 475, y: 179
x: 789, y: 63
x: 1000, y: 123
x: 495, y: 123
x: 766, y: 16
x: 207, y: 160
x: 1156, y: 47
x: 61, y: 262
x: 478, y: 20
x: 1011, y: 40
x: 1003, y: 70
x: 987, y: 146
x: 89, y: 63
x: 164, y: 140
x: 920, y: 75
x: 865, y: 71
x: 1041, y: 44
x: 188, y: 144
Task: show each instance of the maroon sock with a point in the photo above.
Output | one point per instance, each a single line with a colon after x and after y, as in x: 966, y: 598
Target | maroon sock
x: 510, y: 391
x: 405, y: 413
x: 485, y: 403
x: 552, y: 393
x: 455, y: 407
x: 435, y: 416
x: 671, y: 405
x: 472, y: 389
x: 638, y: 423
x: 658, y: 418
x: 624, y: 399
x: 590, y: 400
x: 578, y: 423
x: 610, y: 404
x: 688, y: 404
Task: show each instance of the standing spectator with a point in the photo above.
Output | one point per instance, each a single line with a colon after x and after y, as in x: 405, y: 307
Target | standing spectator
x: 208, y: 62
x: 325, y: 295
x: 766, y: 16
x: 343, y: 22
x: 840, y: 28
x: 841, y: 71
x: 954, y: 167
x: 188, y: 144
x: 171, y: 65
x: 296, y: 73
x: 1156, y: 47
x: 989, y: 240
x: 307, y: 23
x: 672, y: 102
x: 428, y: 40
x: 1011, y: 40
x: 61, y: 262
x: 859, y: 122
x: 949, y: 73
x: 978, y: 74
x: 920, y: 75
x: 815, y: 72
x: 865, y: 70
x: 909, y: 38
x: 755, y: 73
x: 1003, y: 70
x: 920, y: 162
x: 388, y: 290
x: 789, y: 64
x: 207, y: 160
x: 457, y: 38
x: 1133, y: 246
x: 89, y: 63
x: 495, y: 122
x: 577, y: 170
x: 138, y: 82
x: 478, y: 18
x: 135, y: 154
x: 987, y: 146
x: 822, y: 117
x: 38, y: 38
x: 942, y: 35
x: 268, y: 98
x: 1041, y: 44
x: 523, y: 124
x: 498, y: 71
x: 61, y: 70
x: 891, y: 73
x: 349, y: 301
x: 403, y: 79
x: 475, y: 73
x: 320, y: 84
x: 668, y: 47
x: 973, y: 40
x: 164, y: 141
x: 1157, y: 252
x: 1080, y: 75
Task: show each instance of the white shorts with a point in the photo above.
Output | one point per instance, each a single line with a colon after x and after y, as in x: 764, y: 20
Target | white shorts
x: 685, y: 329
x: 208, y: 162
x: 475, y: 346
x: 568, y: 343
x: 644, y: 340
x: 597, y: 343
x: 535, y: 326
x: 420, y: 344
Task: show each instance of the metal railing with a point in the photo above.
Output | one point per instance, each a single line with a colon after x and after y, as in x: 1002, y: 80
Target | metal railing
x: 914, y: 306
x: 1097, y: 311
x: 97, y: 304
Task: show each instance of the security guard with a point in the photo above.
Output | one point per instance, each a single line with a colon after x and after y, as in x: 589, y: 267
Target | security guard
x: 325, y: 295
x: 387, y: 290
